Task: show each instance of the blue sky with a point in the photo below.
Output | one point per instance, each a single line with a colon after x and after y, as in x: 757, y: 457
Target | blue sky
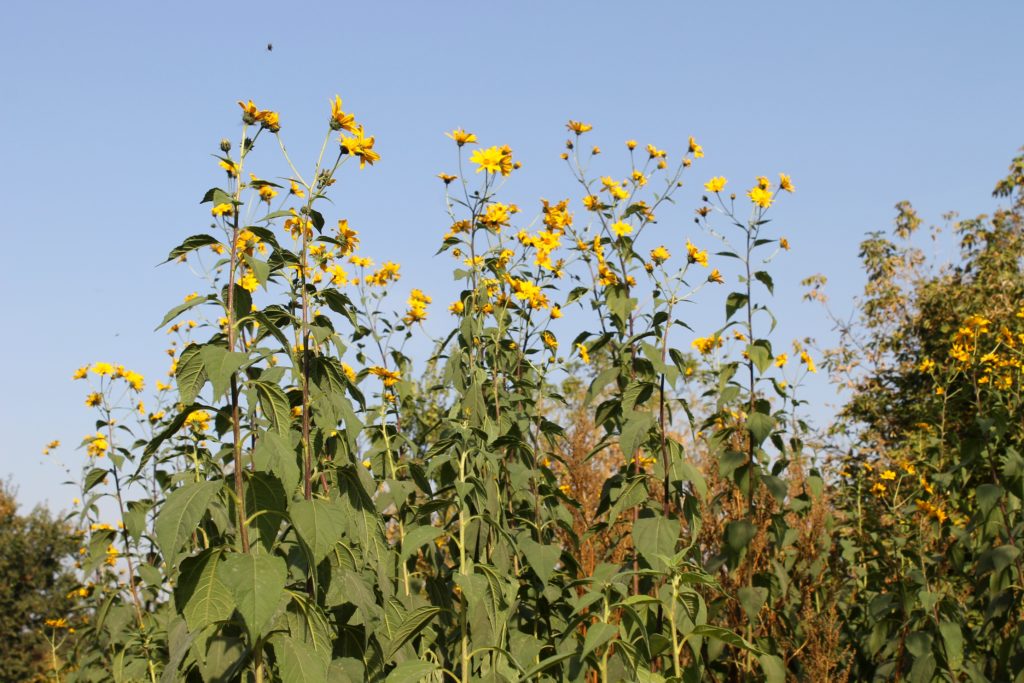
x: 111, y: 110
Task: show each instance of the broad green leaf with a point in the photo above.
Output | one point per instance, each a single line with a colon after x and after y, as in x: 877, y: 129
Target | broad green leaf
x: 411, y: 672
x: 987, y: 496
x: 180, y: 515
x: 181, y: 308
x: 266, y: 500
x: 274, y: 404
x: 598, y: 634
x: 726, y: 636
x: 634, y: 432
x: 191, y: 244
x: 417, y: 538
x: 320, y: 524
x: 764, y: 278
x: 760, y: 426
x: 541, y: 558
x: 201, y: 596
x: 654, y: 536
x: 257, y: 583
x: 734, y: 302
x: 220, y: 364
x: 953, y: 640
x: 738, y: 534
x: 274, y: 453
x: 416, y: 621
x: 298, y: 661
x: 773, y: 667
x: 191, y: 375
x: 752, y: 598
x: 760, y: 354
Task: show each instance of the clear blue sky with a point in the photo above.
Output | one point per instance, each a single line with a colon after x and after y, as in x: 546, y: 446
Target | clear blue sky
x: 111, y: 109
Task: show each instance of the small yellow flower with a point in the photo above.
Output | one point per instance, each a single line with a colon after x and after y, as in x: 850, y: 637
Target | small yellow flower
x: 631, y: 145
x: 760, y: 196
x: 223, y: 209
x: 447, y: 178
x: 103, y: 369
x: 784, y: 243
x: 888, y: 475
x: 695, y: 255
x: 781, y: 360
x: 556, y: 312
x: 621, y: 228
x: 785, y: 183
x: 696, y: 150
x: 388, y: 377
x: 93, y: 399
x: 584, y: 353
x: 578, y: 127
x: 461, y: 137
x: 716, y: 184
x: 660, y: 254
x: 806, y: 359
x: 716, y: 276
x: 339, y: 119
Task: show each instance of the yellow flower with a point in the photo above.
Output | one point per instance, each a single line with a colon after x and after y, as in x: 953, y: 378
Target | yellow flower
x: 621, y: 228
x: 388, y: 377
x: 784, y: 243
x: 446, y: 178
x: 760, y: 196
x: 785, y: 183
x: 81, y: 372
x: 50, y: 446
x: 457, y: 308
x: 461, y: 137
x: 93, y: 399
x: 631, y: 145
x: 716, y: 276
x: 360, y: 146
x: 926, y: 365
x: 229, y: 166
x: 808, y: 361
x: 656, y: 153
x: 584, y: 353
x: 249, y: 282
x: 136, y: 380
x: 223, y: 209
x: 888, y: 475
x: 57, y: 623
x: 493, y: 160
x: 556, y: 312
x: 878, y: 489
x: 103, y: 369
x: 706, y: 345
x: 97, y: 445
x: 660, y: 254
x: 296, y: 190
x: 695, y: 149
x: 781, y: 360
x: 339, y: 119
x: 578, y: 127
x: 549, y: 340
x: 716, y: 184
x: 695, y: 255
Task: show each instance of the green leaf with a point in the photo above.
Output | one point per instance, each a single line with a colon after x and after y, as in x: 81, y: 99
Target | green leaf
x: 298, y: 661
x: 752, y: 599
x: 265, y: 498
x: 201, y: 597
x: 734, y: 302
x: 191, y: 374
x: 953, y: 640
x: 274, y: 404
x: 181, y: 308
x: 987, y: 496
x: 598, y: 634
x: 726, y: 636
x: 411, y: 672
x: 774, y: 668
x: 654, y: 536
x: 417, y: 538
x: 190, y: 244
x: 634, y: 432
x: 765, y: 279
x: 541, y: 558
x: 180, y: 515
x: 760, y: 426
x: 760, y: 353
x: 257, y: 583
x: 738, y: 534
x: 417, y: 620
x: 274, y: 453
x: 319, y: 524
x: 220, y: 364
x: 95, y: 476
